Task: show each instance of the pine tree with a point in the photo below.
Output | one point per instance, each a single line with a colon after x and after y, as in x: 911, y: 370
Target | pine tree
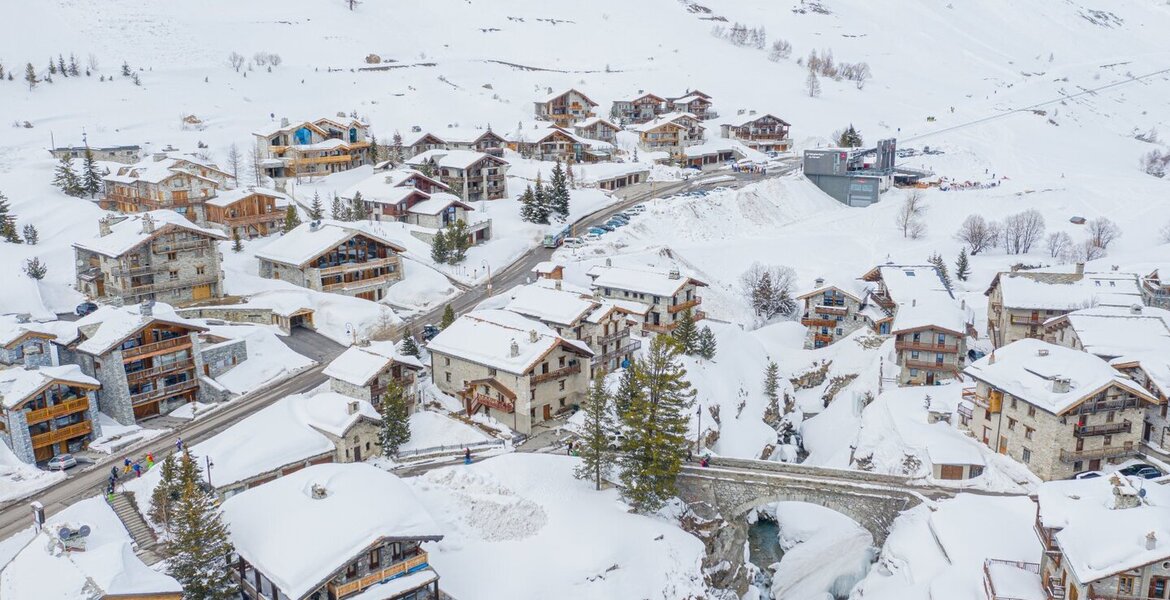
x: 540, y: 208
x: 448, y: 317
x: 628, y: 392
x: 657, y: 426
x: 706, y: 343
x: 409, y: 346
x: 439, y: 251
x: 162, y: 499
x: 35, y: 269
x: 61, y: 66
x: 74, y: 70
x: 395, y: 419
x: 396, y: 154
x: 237, y: 243
x: 596, y: 456
x: 772, y: 382
x: 30, y: 76
x: 762, y: 296
x: 52, y: 66
x: 962, y: 265
x: 941, y: 266
x: 7, y: 222
x: 528, y: 205
x: 458, y: 241
x: 316, y: 211
x: 357, y: 208
x: 558, y: 195
x: 91, y: 179
x: 197, y: 540
x: 125, y: 69
x: 65, y: 178
x: 31, y: 237
x: 338, y: 211
x: 291, y: 219
x: 686, y: 334
x: 850, y: 138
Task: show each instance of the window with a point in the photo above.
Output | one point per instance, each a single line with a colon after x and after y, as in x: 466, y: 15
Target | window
x: 562, y: 401
x: 913, y: 355
x: 446, y: 361
x: 1031, y: 411
x: 351, y: 571
x: 375, y: 558
x: 1028, y: 431
x: 172, y: 256
x: 1013, y: 402
x: 1125, y: 584
x: 1026, y: 456
x: 1107, y: 440
x: 1109, y: 417
x: 492, y: 372
x: 199, y: 269
x: 562, y: 385
x: 1078, y: 466
x: 914, y: 372
x: 174, y: 275
x: 1011, y: 423
x: 447, y: 376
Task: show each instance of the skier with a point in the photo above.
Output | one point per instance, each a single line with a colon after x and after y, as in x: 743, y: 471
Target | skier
x: 137, y: 470
x: 114, y: 473
x: 126, y: 465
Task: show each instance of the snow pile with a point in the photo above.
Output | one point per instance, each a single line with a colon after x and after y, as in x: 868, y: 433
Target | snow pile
x: 496, y: 512
x: 429, y: 429
x: 19, y: 479
x: 824, y: 551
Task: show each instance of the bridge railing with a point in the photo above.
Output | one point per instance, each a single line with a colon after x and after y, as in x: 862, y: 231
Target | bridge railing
x: 795, y: 469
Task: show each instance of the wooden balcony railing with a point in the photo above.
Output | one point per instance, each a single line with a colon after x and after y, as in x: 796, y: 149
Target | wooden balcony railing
x: 681, y: 306
x: 604, y: 339
x: 355, y: 266
x: 989, y: 581
x: 825, y: 309
x: 179, y: 365
x: 59, y: 409
x: 965, y: 411
x: 410, y: 565
x: 925, y: 346
x: 569, y: 369
x: 813, y: 322
x: 60, y: 435
x: 358, y: 284
x: 170, y: 284
x: 930, y: 366
x: 475, y: 400
x: 252, y: 219
x: 621, y: 350
x: 1069, y: 456
x: 164, y: 392
x: 174, y: 342
x: 162, y: 246
x: 1124, y: 426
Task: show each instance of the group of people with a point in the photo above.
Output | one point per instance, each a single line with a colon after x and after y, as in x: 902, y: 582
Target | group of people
x: 138, y: 467
x: 749, y: 168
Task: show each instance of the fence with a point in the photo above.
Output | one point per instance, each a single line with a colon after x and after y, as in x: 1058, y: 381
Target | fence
x: 449, y: 448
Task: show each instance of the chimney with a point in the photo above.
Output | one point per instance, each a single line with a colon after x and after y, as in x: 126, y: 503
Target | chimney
x: 314, y: 225
x: 820, y: 282
x: 674, y: 274
x: 23, y: 317
x: 352, y: 408
x: 991, y: 358
x: 284, y: 121
x: 1080, y: 268
x: 963, y: 303
x: 532, y: 336
x: 363, y: 342
x: 104, y: 226
x: 609, y: 262
x: 318, y: 491
x: 146, y: 309
x: 1136, y: 309
x: 1151, y: 540
x: 515, y: 349
x: 147, y: 223
x: 1042, y: 352
x: 1061, y: 385
x: 158, y: 156
x: 557, y: 285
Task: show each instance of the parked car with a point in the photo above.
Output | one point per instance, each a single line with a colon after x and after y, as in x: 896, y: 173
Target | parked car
x: 85, y: 308
x: 720, y: 189
x: 429, y: 331
x: 619, y: 217
x: 615, y: 223
x: 592, y: 237
x: 1088, y: 475
x: 574, y: 242
x: 61, y: 462
x: 636, y: 209
x: 626, y: 214
x: 606, y: 226
x: 1143, y: 470
x: 598, y: 231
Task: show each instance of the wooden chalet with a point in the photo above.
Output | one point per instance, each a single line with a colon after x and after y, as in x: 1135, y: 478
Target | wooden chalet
x: 248, y: 212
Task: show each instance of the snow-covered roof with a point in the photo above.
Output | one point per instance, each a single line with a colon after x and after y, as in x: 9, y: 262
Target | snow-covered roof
x: 306, y: 242
x: 229, y: 197
x: 108, y: 326
x: 12, y: 330
x: 485, y: 337
x: 656, y: 283
x: 107, y: 567
x: 359, y: 365
x: 690, y: 98
x: 855, y: 288
x: 1098, y: 537
x: 155, y: 171
x: 286, y: 432
x: 923, y: 299
x: 670, y: 120
x: 1030, y: 369
x: 1110, y: 332
x: 127, y: 233
x: 550, y: 305
x: 555, y: 95
x: 746, y: 119
x: 546, y: 267
x: 591, y: 121
x: 638, y: 96
x: 298, y: 541
x: 712, y: 147
x: 18, y: 383
x: 1010, y: 579
x: 437, y: 203
x: 452, y: 159
x: 391, y: 187
x: 465, y: 135
x: 1044, y: 290
x: 276, y: 128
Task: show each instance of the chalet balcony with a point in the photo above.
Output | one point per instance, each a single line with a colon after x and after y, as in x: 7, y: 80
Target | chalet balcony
x: 417, y: 562
x: 1107, y: 405
x: 825, y: 309
x: 162, y: 247
x: 322, y: 160
x: 179, y: 365
x: 153, y: 347
x: 165, y: 392
x: 60, y: 409
x: 1124, y: 426
x: 814, y: 322
x: 360, y: 284
x: 243, y: 220
x: 925, y: 346
x: 170, y: 284
x: 965, y: 411
x: 681, y: 306
x: 572, y: 368
x: 1054, y: 588
x: 605, y: 339
x: 883, y: 300
x: 60, y: 435
x: 475, y: 399
x: 621, y: 350
x: 354, y: 266
x: 1028, y: 319
x: 1071, y: 456
x: 1047, y: 539
x: 931, y: 366
x: 989, y: 580
x: 138, y: 270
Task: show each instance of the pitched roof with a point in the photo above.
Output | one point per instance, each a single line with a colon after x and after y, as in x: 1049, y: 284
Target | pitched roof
x: 359, y: 365
x: 155, y: 171
x: 17, y: 384
x: 306, y: 242
x: 1045, y: 290
x: 486, y: 336
x: 109, y: 326
x: 746, y: 119
x: 555, y: 95
x: 229, y: 197
x: 656, y: 283
x: 923, y: 299
x: 453, y: 159
x: 591, y: 121
x: 550, y: 305
x: 437, y: 203
x: 1110, y: 332
x: 127, y: 232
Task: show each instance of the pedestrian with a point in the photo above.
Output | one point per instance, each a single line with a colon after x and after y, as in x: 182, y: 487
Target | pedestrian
x: 110, y: 491
x: 467, y: 456
x: 179, y: 444
x: 126, y: 465
x: 137, y: 470
x: 569, y: 448
x: 114, y: 473
x: 703, y: 462
x: 688, y: 455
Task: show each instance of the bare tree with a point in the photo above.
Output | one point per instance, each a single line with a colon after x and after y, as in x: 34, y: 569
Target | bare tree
x: 236, y: 60
x: 1058, y: 244
x: 769, y: 290
x: 1084, y: 252
x: 256, y: 164
x: 861, y: 74
x: 977, y: 233
x: 1103, y: 232
x: 909, y: 218
x: 234, y: 162
x: 352, y: 3
x: 812, y: 84
x: 1022, y: 230
x: 781, y: 49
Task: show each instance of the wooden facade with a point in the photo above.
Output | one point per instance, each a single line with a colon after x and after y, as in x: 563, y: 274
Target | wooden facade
x: 159, y: 362
x: 57, y: 417
x: 314, y: 148
x: 257, y: 214
x: 565, y: 108
x: 766, y: 133
x: 639, y: 109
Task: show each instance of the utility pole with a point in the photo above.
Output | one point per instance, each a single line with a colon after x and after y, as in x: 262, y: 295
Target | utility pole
x: 699, y: 430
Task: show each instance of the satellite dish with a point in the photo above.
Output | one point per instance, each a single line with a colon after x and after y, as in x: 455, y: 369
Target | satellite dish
x: 84, y: 531
x: 64, y: 533
x: 1142, y: 493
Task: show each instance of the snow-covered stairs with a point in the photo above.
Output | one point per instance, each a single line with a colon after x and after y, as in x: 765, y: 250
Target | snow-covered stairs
x: 132, y: 520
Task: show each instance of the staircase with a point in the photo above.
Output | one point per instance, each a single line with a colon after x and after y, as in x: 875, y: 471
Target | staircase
x: 144, y: 540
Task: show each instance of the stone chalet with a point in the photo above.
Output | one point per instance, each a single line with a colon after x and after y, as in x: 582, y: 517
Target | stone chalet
x: 474, y: 140
x: 294, y: 432
x: 516, y: 370
x: 25, y: 343
x: 597, y: 128
x: 666, y: 295
x: 157, y: 255
x: 670, y: 133
x: 639, y: 108
x: 365, y: 371
x: 340, y: 532
x: 46, y: 411
x: 1019, y: 302
x: 408, y: 196
x: 1135, y: 341
x: 313, y: 148
x: 575, y: 314
x: 472, y: 176
x: 167, y: 180
x: 333, y: 256
x: 421, y: 141
x: 564, y: 108
x: 929, y: 326
x: 120, y: 154
x: 1155, y: 290
x: 832, y: 312
x: 765, y: 133
x: 559, y: 143
x: 695, y: 102
x: 1104, y: 539
x: 1057, y: 410
x: 248, y: 212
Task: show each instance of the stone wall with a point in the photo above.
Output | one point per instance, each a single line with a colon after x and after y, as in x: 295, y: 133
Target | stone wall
x: 224, y: 356
x: 32, y: 352
x: 346, y: 388
x: 236, y: 314
x: 17, y: 437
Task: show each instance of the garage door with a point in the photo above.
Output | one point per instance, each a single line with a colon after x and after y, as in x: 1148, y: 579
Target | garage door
x: 952, y: 471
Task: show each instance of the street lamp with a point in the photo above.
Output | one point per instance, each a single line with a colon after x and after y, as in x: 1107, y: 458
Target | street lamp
x: 489, y: 277
x: 349, y: 328
x: 210, y: 464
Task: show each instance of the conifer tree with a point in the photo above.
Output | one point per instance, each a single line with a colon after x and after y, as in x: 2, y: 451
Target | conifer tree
x: 162, y: 499
x: 338, y: 211
x: 375, y: 152
x: 439, y: 251
x: 409, y: 346
x: 237, y: 243
x: 448, y: 317
x: 596, y: 456
x: 558, y: 194
x: 125, y: 69
x: 657, y: 423
x: 628, y: 391
x: 706, y: 343
x: 316, y: 211
x: 61, y: 66
x: 35, y: 269
x: 686, y: 334
x: 395, y: 419
x: 527, y: 205
x: 540, y: 207
x: 941, y: 266
x: 291, y: 218
x: 30, y: 76
x: 65, y: 178
x: 396, y: 153
x: 850, y: 138
x: 962, y: 265
x: 7, y: 222
x: 458, y: 241
x: 357, y: 208
x: 74, y: 70
x: 91, y: 179
x: 31, y: 237
x: 52, y: 66
x: 197, y: 540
